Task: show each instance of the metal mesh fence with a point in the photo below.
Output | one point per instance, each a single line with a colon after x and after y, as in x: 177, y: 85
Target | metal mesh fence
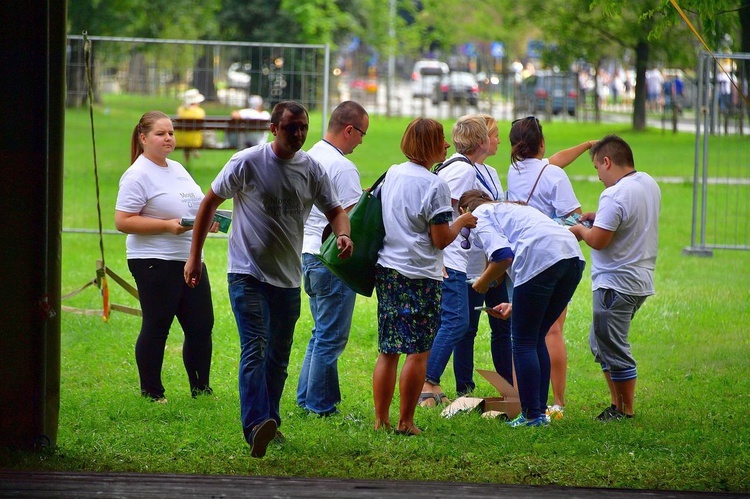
x: 721, y: 192
x: 228, y: 72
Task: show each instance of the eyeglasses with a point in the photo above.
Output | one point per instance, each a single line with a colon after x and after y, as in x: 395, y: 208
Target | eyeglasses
x: 359, y: 130
x: 465, y: 244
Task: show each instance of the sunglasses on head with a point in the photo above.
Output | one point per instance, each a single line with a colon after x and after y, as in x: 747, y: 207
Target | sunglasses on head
x: 536, y: 120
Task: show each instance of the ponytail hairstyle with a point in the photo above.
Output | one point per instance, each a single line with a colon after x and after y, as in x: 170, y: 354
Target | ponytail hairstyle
x: 525, y: 139
x: 471, y: 199
x: 144, y: 126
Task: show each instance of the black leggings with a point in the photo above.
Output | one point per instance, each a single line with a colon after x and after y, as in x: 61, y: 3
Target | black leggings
x: 164, y: 296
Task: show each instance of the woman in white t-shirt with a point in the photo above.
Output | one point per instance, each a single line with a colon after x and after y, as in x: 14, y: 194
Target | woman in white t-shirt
x: 417, y: 216
x: 543, y: 184
x: 545, y: 263
x: 155, y: 194
x: 500, y: 345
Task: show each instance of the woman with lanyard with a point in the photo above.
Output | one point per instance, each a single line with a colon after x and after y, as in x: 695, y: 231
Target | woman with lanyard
x: 500, y: 346
x: 470, y: 138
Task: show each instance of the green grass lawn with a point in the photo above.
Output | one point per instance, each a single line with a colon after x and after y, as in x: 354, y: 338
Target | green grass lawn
x: 692, y: 430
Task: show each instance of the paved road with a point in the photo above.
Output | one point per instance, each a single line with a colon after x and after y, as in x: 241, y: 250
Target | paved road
x: 132, y: 485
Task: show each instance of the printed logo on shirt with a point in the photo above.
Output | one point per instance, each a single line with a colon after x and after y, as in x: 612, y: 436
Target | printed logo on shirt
x: 282, y: 207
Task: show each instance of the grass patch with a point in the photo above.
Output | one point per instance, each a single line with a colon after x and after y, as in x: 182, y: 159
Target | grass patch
x: 691, y: 431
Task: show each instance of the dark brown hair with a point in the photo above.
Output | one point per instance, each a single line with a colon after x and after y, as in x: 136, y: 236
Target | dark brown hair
x: 346, y: 113
x: 615, y: 148
x: 294, y: 107
x: 144, y: 126
x: 525, y: 139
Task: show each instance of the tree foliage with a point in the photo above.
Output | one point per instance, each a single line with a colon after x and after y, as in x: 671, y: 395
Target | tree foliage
x: 185, y: 19
x: 319, y: 20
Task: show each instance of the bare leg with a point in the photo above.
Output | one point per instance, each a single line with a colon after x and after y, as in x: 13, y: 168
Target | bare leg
x: 612, y: 391
x: 383, y: 386
x: 625, y: 394
x: 558, y: 359
x: 409, y: 386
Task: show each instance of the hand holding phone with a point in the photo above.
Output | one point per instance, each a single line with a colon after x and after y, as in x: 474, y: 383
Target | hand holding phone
x: 484, y: 309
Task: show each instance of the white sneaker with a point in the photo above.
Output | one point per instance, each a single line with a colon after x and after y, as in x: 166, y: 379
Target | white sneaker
x: 555, y: 411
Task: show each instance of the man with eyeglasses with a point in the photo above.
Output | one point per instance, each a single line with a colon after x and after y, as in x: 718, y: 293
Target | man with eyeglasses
x: 273, y: 187
x: 331, y: 301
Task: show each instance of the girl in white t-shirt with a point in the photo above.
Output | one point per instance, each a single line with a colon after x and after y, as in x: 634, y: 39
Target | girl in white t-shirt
x: 155, y: 193
x: 542, y: 183
x: 417, y: 216
x: 545, y: 263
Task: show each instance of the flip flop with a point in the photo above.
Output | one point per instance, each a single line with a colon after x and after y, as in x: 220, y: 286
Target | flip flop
x: 444, y: 398
x: 429, y: 399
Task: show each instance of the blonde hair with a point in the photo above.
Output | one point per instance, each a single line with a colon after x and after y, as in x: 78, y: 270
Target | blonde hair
x: 490, y: 121
x: 468, y: 133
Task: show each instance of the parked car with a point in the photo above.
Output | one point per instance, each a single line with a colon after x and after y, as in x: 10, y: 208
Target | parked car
x: 458, y: 86
x: 546, y: 90
x: 425, y: 75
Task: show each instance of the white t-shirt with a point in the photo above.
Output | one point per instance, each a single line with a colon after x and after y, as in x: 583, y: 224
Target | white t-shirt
x: 412, y: 196
x: 553, y: 195
x: 157, y: 192
x: 462, y: 176
x: 253, y: 138
x: 345, y: 179
x: 490, y: 183
x: 272, y: 198
x: 630, y: 209
x: 537, y: 241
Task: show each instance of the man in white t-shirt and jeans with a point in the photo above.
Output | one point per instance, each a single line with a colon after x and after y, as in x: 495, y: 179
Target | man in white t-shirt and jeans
x: 331, y: 301
x: 273, y: 188
x: 624, y: 240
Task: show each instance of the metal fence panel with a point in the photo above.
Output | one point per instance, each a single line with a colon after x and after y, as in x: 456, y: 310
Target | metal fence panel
x: 721, y: 182
x: 228, y: 72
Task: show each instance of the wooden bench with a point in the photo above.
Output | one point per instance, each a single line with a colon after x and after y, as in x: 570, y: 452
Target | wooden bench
x: 230, y: 127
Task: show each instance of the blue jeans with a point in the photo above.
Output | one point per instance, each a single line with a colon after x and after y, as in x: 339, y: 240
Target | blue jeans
x: 536, y: 305
x: 266, y: 316
x: 500, y: 346
x: 332, y: 307
x: 454, y: 321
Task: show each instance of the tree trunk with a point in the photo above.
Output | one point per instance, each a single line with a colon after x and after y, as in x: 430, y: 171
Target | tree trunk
x: 77, y: 88
x: 203, y: 76
x: 639, y: 104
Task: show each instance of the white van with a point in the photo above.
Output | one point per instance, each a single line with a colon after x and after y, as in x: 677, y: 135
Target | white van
x: 426, y: 74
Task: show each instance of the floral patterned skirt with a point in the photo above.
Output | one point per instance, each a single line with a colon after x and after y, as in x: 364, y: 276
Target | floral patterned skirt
x: 408, y: 311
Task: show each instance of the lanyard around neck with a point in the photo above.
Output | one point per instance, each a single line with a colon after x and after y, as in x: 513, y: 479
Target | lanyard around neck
x: 339, y: 150
x: 493, y: 190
